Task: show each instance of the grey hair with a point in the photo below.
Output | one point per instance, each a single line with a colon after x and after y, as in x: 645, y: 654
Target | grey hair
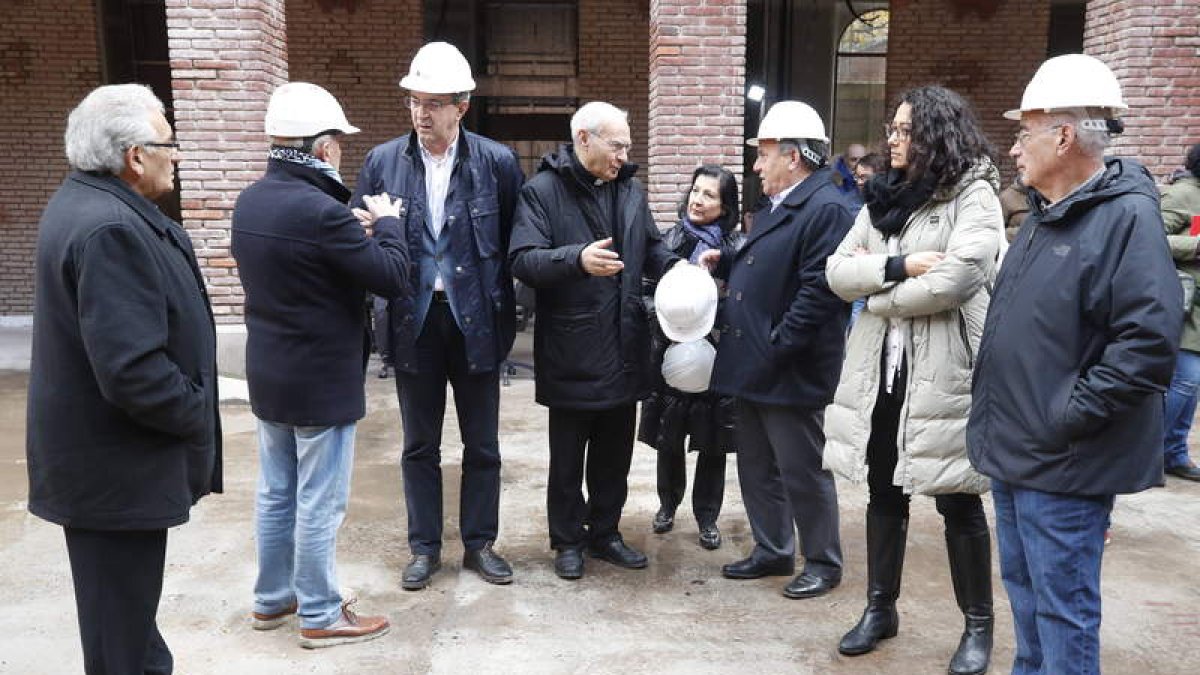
x: 106, y: 123
x: 308, y: 144
x: 591, y: 116
x: 813, y: 153
x: 460, y: 97
x: 1091, y: 132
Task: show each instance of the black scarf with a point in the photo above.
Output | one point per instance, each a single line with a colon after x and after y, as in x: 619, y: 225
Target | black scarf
x: 891, y: 199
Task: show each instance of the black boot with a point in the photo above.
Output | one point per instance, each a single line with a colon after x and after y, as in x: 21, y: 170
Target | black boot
x: 971, y: 570
x: 886, y: 537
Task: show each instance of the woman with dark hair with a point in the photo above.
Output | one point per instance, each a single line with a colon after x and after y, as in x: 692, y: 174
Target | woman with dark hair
x: 921, y: 254
x: 1180, y: 208
x: 708, y: 218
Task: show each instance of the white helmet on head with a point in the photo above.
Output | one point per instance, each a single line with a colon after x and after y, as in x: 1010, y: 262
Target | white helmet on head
x: 1071, y: 81
x: 439, y: 68
x: 302, y: 109
x: 688, y: 366
x: 686, y: 303
x: 790, y: 120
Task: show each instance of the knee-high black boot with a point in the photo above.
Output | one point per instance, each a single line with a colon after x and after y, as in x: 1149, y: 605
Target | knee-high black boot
x: 886, y: 537
x: 971, y: 570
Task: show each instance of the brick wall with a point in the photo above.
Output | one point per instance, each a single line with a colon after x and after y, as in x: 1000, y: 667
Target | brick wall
x: 358, y: 51
x: 986, y: 56
x: 227, y: 56
x: 1153, y: 47
x: 613, y: 67
x: 697, y: 76
x: 48, y: 63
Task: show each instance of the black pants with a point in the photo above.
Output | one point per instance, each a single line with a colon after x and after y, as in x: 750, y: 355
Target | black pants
x: 962, y: 513
x: 441, y: 357
x: 381, y: 333
x: 598, y: 443
x: 708, y: 485
x: 118, y: 579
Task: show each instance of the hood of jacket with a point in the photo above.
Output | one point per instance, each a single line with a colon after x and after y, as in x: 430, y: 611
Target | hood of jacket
x: 984, y: 169
x: 1120, y: 177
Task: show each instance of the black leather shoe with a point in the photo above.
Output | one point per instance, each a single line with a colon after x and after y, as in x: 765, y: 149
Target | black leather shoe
x: 568, y: 563
x: 750, y: 568
x: 489, y: 565
x: 617, y: 552
x: 1187, y: 471
x: 809, y: 585
x: 419, y: 571
x: 664, y: 520
x: 710, y: 537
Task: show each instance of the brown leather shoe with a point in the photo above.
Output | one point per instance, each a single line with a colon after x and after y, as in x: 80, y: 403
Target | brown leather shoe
x: 348, y: 629
x: 260, y: 621
x: 1187, y: 471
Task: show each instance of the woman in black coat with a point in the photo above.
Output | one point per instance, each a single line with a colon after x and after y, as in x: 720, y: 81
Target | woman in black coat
x: 708, y: 216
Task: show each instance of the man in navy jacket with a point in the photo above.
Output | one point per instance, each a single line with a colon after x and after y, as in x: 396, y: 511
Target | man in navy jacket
x: 306, y: 264
x: 459, y: 191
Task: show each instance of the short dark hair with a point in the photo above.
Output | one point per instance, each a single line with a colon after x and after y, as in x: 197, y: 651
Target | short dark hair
x: 1192, y: 163
x: 726, y: 186
x: 946, y: 138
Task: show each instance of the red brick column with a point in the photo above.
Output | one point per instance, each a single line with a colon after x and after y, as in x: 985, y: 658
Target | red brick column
x: 1153, y: 46
x: 227, y: 56
x: 697, y: 80
x: 48, y: 63
x: 612, y: 62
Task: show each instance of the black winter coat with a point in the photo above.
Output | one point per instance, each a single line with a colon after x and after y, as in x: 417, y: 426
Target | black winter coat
x: 123, y: 430
x: 670, y: 418
x: 1079, y: 344
x: 783, y: 331
x: 591, y: 342
x: 306, y: 266
x: 479, y: 212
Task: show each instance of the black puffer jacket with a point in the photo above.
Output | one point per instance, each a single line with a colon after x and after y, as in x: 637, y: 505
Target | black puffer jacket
x: 591, y: 341
x: 671, y: 418
x: 1079, y: 344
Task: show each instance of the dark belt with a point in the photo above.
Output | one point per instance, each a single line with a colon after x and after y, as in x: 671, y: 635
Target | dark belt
x: 440, y: 296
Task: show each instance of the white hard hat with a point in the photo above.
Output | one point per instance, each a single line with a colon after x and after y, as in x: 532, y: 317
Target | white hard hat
x: 439, y: 68
x: 686, y: 303
x: 1071, y: 81
x: 790, y: 120
x: 302, y: 109
x: 688, y: 366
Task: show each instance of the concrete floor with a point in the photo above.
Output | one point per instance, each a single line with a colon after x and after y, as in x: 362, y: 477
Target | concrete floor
x: 677, y: 616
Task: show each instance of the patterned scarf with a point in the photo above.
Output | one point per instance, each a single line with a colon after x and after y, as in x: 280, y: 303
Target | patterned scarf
x: 709, y: 237
x: 298, y: 156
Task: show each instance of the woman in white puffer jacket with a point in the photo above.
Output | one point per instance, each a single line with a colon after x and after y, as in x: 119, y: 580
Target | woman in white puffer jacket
x: 921, y: 252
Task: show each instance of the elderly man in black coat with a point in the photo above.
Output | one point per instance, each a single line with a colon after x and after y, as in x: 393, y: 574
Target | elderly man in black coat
x: 583, y: 237
x: 123, y: 433
x: 781, y: 352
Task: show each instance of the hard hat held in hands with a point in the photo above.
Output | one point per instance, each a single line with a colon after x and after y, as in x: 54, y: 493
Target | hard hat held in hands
x: 1071, y: 81
x: 686, y: 303
x: 790, y: 120
x: 688, y: 366
x: 439, y: 68
x: 302, y: 109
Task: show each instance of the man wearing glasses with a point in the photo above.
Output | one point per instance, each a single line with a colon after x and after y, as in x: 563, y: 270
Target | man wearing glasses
x: 123, y: 434
x: 583, y: 238
x: 459, y: 190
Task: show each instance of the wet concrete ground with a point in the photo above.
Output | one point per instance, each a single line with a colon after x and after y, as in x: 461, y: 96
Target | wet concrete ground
x: 677, y: 616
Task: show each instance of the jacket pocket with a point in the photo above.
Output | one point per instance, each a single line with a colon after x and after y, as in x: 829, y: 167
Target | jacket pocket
x: 485, y: 228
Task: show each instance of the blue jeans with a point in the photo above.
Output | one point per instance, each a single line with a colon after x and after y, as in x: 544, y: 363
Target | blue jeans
x: 1180, y: 408
x: 303, y: 485
x: 1050, y: 549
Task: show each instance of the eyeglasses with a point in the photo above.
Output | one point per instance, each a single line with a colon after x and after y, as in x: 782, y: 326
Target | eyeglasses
x: 1022, y: 137
x: 432, y: 105
x: 903, y: 132
x: 616, y: 146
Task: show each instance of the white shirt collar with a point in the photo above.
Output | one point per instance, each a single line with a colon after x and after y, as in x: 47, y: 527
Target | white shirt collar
x: 778, y: 198
x: 451, y: 151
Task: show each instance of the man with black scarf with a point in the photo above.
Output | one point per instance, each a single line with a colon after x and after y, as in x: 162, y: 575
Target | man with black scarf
x: 583, y: 237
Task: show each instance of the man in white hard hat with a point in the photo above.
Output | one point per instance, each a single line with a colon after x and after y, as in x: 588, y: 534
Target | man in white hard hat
x: 306, y: 263
x: 583, y: 238
x: 781, y: 352
x: 459, y: 192
x: 1078, y: 347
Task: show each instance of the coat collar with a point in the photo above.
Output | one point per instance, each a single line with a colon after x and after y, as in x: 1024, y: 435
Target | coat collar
x: 766, y: 219
x: 123, y: 191
x: 277, y: 168
x: 412, y: 147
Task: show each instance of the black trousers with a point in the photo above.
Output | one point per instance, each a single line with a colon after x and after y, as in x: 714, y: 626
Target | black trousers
x: 118, y: 579
x: 598, y: 443
x: 442, y: 358
x: 708, y: 484
x: 962, y: 513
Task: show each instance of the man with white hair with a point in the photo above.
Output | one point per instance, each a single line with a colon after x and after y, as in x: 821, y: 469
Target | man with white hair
x: 583, y: 238
x: 123, y: 434
x: 1078, y: 346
